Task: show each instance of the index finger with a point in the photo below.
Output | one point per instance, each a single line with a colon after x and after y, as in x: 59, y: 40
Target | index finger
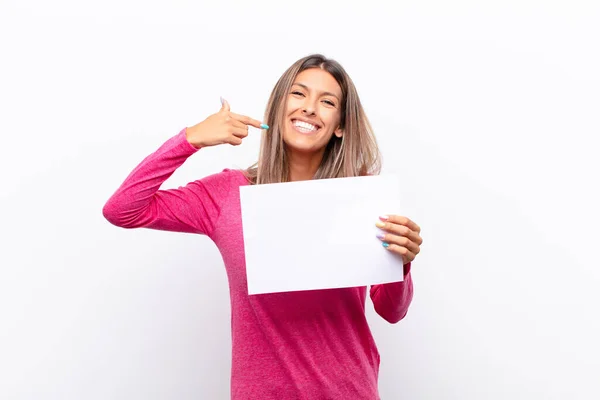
x: 247, y: 120
x: 397, y: 219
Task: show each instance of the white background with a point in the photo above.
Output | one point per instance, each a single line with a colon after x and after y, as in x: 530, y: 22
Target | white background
x: 490, y: 111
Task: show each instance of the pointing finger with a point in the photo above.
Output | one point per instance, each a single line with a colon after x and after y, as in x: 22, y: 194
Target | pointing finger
x: 249, y: 121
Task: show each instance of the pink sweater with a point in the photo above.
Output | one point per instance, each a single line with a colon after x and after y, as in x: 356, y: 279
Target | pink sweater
x: 297, y: 345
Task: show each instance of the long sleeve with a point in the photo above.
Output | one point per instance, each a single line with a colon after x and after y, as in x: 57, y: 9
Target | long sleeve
x: 392, y: 300
x: 193, y: 208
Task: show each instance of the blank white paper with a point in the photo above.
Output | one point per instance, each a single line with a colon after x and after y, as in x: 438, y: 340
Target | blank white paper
x: 318, y: 234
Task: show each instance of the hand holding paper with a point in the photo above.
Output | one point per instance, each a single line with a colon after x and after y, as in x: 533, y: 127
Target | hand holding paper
x: 320, y: 234
x: 400, y: 235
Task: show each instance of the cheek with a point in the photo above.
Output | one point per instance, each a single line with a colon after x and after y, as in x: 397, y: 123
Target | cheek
x: 292, y: 104
x: 331, y: 117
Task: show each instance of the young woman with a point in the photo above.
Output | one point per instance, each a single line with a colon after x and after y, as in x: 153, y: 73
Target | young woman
x: 297, y: 345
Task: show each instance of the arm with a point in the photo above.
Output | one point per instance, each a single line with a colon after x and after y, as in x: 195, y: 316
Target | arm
x: 391, y: 300
x: 138, y: 202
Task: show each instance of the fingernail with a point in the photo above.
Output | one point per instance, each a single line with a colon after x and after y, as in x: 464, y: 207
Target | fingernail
x: 386, y: 245
x: 379, y: 224
x: 380, y: 236
x: 222, y: 100
x: 264, y: 126
x: 384, y: 217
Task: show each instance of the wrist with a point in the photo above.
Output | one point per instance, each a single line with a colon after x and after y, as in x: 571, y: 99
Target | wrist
x: 188, y: 134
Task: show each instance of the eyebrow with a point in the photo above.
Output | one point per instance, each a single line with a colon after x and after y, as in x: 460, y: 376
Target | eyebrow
x: 306, y: 87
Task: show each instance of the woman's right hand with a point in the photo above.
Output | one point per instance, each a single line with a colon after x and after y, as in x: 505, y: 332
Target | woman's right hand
x: 222, y: 127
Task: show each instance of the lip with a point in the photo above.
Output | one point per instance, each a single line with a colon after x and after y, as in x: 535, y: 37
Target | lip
x: 308, y: 122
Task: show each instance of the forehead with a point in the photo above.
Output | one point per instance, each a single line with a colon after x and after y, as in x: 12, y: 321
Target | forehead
x: 318, y: 80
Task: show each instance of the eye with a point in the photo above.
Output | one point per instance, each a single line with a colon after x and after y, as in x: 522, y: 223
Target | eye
x: 331, y: 103
x: 297, y: 93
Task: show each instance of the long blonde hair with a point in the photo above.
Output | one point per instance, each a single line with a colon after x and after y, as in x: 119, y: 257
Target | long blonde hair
x: 354, y: 154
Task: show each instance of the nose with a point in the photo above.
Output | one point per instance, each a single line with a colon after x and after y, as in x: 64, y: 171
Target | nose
x: 308, y: 108
x: 308, y: 111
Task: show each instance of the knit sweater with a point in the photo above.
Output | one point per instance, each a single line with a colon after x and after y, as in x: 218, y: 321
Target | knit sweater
x: 313, y: 344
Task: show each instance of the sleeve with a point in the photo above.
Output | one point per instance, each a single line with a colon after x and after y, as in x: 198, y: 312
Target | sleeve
x: 193, y: 208
x: 392, y: 300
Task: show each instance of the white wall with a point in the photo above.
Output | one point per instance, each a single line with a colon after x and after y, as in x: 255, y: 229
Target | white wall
x: 490, y: 111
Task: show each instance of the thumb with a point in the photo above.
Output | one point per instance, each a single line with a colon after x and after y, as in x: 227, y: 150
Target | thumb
x: 224, y: 105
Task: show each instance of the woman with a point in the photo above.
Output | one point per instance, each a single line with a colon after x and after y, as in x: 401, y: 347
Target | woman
x: 298, y: 345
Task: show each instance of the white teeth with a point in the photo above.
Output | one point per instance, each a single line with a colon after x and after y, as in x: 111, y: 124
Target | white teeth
x: 305, y: 125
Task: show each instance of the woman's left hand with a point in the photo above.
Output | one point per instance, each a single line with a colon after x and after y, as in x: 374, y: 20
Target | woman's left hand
x: 400, y: 235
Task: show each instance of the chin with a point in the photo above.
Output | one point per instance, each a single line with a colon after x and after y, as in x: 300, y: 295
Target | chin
x: 302, y: 143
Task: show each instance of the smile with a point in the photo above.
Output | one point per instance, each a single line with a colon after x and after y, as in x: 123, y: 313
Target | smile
x: 304, y: 127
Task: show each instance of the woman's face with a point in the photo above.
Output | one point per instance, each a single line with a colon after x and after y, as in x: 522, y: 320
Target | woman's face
x: 312, y: 111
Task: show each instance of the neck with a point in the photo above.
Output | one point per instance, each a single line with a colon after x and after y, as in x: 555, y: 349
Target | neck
x: 304, y: 166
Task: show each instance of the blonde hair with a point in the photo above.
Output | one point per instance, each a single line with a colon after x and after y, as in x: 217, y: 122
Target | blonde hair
x: 354, y: 154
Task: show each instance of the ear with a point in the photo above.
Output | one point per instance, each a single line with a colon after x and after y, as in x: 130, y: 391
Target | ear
x: 338, y: 132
